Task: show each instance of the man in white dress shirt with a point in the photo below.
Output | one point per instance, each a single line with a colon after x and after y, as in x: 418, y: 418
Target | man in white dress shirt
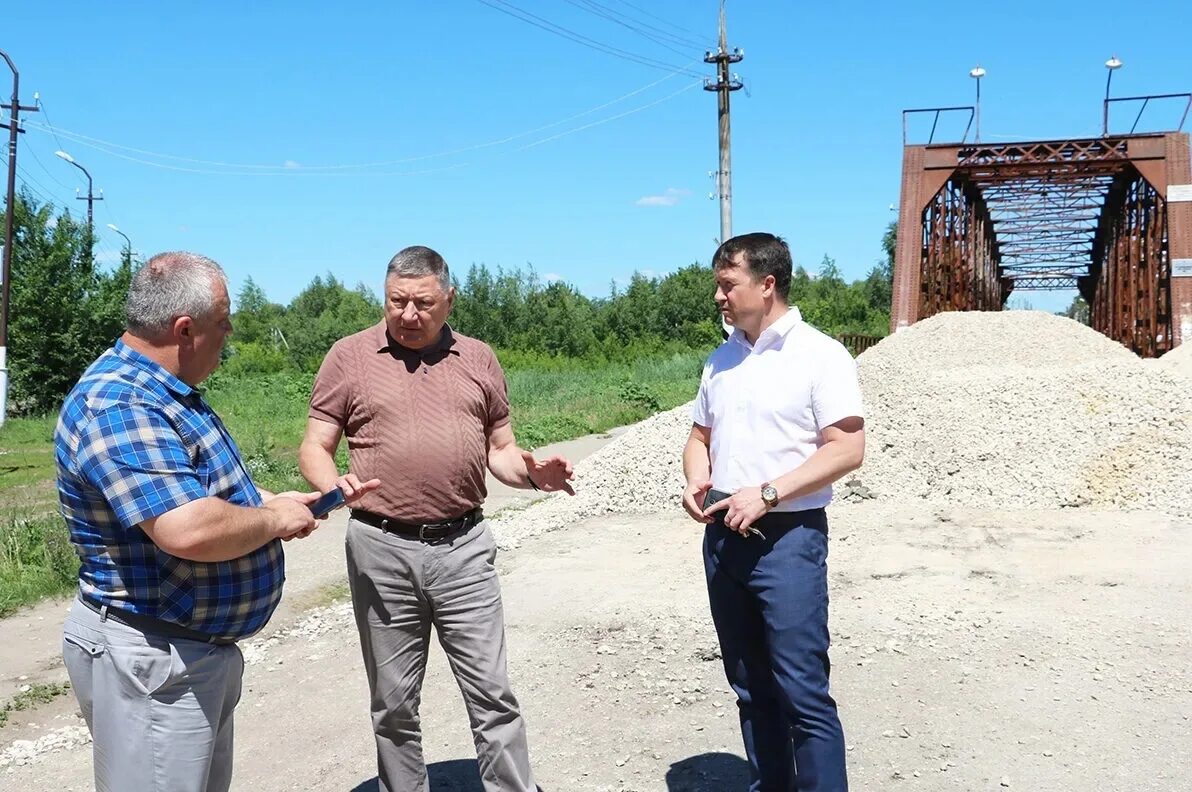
x: 778, y: 418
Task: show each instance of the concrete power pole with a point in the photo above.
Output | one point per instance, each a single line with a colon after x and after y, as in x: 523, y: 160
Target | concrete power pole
x: 723, y: 85
x: 13, y: 126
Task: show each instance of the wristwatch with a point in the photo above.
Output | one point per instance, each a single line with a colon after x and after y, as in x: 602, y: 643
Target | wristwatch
x: 770, y: 495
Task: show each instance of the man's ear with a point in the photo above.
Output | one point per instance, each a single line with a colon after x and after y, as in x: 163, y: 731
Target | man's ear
x: 769, y: 285
x: 184, y: 330
x: 450, y: 297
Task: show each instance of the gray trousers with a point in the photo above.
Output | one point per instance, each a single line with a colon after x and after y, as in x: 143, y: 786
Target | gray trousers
x: 159, y: 709
x: 400, y: 587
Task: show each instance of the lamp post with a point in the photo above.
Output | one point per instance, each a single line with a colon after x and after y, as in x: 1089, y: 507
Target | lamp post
x: 977, y: 73
x: 1111, y: 65
x: 91, y: 199
x: 127, y: 244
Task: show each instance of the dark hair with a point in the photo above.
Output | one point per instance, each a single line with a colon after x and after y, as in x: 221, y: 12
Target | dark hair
x: 764, y: 254
x: 417, y: 261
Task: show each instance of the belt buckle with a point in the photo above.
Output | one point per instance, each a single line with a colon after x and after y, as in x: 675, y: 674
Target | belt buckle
x: 439, y: 526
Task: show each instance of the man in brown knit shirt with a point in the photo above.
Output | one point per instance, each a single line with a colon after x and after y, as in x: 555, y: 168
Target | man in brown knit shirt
x: 425, y: 411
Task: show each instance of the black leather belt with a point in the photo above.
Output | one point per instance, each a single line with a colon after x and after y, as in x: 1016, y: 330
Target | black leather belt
x: 152, y: 625
x: 427, y: 532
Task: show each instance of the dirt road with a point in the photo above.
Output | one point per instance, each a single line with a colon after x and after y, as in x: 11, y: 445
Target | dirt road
x: 973, y: 651
x: 30, y: 650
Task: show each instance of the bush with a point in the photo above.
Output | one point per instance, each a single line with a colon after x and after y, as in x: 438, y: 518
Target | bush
x: 247, y: 359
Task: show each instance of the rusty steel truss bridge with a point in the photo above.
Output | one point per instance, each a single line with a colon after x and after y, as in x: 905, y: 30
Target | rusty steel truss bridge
x: 1109, y: 216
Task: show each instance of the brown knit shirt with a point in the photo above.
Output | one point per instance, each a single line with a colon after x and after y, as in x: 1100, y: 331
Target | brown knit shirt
x: 418, y: 420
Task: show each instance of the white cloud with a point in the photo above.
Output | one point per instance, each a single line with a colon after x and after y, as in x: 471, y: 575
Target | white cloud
x: 291, y: 165
x: 551, y: 277
x: 671, y: 197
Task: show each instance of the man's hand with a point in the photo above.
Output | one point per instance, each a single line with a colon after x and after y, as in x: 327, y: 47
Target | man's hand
x: 741, y: 509
x: 352, y: 487
x: 693, y: 500
x: 549, y: 475
x: 292, y: 513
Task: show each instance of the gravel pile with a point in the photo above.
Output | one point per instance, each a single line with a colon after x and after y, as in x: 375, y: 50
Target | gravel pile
x: 640, y: 472
x: 1178, y: 360
x: 1023, y: 410
x: 1019, y: 409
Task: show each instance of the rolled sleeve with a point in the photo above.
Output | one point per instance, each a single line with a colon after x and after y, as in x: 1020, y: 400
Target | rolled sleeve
x: 136, y: 459
x: 836, y: 393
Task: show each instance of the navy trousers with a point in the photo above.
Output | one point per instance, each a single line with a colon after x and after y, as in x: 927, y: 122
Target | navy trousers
x: 769, y: 601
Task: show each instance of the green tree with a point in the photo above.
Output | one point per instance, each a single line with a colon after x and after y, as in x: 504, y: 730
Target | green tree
x: 563, y: 322
x: 1078, y: 310
x: 257, y: 320
x: 63, y: 312
x: 321, y: 314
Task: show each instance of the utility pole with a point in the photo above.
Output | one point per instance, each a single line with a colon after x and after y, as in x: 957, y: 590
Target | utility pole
x: 14, y: 108
x: 90, y: 199
x: 724, y: 85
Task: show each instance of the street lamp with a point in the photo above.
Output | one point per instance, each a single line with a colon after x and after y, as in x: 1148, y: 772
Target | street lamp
x: 977, y: 73
x: 1111, y: 65
x: 127, y: 243
x: 90, y: 195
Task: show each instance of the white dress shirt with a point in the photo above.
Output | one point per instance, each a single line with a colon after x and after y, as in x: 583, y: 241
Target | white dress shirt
x: 766, y: 403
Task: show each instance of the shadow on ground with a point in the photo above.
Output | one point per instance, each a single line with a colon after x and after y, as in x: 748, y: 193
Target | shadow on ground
x: 709, y: 772
x: 456, y: 775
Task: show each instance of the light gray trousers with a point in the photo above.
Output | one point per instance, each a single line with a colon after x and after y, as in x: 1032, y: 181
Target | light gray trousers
x: 159, y: 709
x: 400, y: 587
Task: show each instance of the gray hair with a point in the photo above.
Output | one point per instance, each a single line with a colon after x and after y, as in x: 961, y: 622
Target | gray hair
x: 417, y: 261
x: 170, y: 285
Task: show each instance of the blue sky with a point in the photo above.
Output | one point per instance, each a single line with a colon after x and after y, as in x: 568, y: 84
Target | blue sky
x: 313, y: 86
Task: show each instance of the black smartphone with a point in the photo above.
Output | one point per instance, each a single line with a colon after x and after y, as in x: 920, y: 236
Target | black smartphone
x: 327, y: 502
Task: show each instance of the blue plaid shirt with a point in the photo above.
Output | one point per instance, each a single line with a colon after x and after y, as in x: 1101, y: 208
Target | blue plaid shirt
x: 133, y: 442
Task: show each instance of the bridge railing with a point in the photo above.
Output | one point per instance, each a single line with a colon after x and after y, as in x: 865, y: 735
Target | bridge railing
x: 856, y: 343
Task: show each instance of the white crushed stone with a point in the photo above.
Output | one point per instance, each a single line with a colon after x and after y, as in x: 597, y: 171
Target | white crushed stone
x: 1178, y: 360
x: 1018, y: 409
x: 26, y: 752
x: 320, y: 621
x: 1023, y: 409
x: 641, y: 471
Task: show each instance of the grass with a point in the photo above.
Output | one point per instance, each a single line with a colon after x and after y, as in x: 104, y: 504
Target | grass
x: 329, y: 594
x: 35, y: 696
x: 550, y: 399
x: 36, y: 559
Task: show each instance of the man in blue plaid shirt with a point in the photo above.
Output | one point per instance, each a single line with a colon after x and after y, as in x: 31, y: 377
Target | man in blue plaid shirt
x: 180, y: 550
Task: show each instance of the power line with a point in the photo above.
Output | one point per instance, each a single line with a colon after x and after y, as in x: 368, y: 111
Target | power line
x: 113, y: 149
x: 644, y: 12
x: 611, y: 118
x: 558, y: 30
x: 594, y: 8
x: 40, y: 191
x: 42, y: 107
x: 55, y: 179
x: 642, y: 26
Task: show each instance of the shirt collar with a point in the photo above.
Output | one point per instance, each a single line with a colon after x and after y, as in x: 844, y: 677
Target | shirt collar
x: 780, y: 329
x: 386, y: 343
x: 152, y: 368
